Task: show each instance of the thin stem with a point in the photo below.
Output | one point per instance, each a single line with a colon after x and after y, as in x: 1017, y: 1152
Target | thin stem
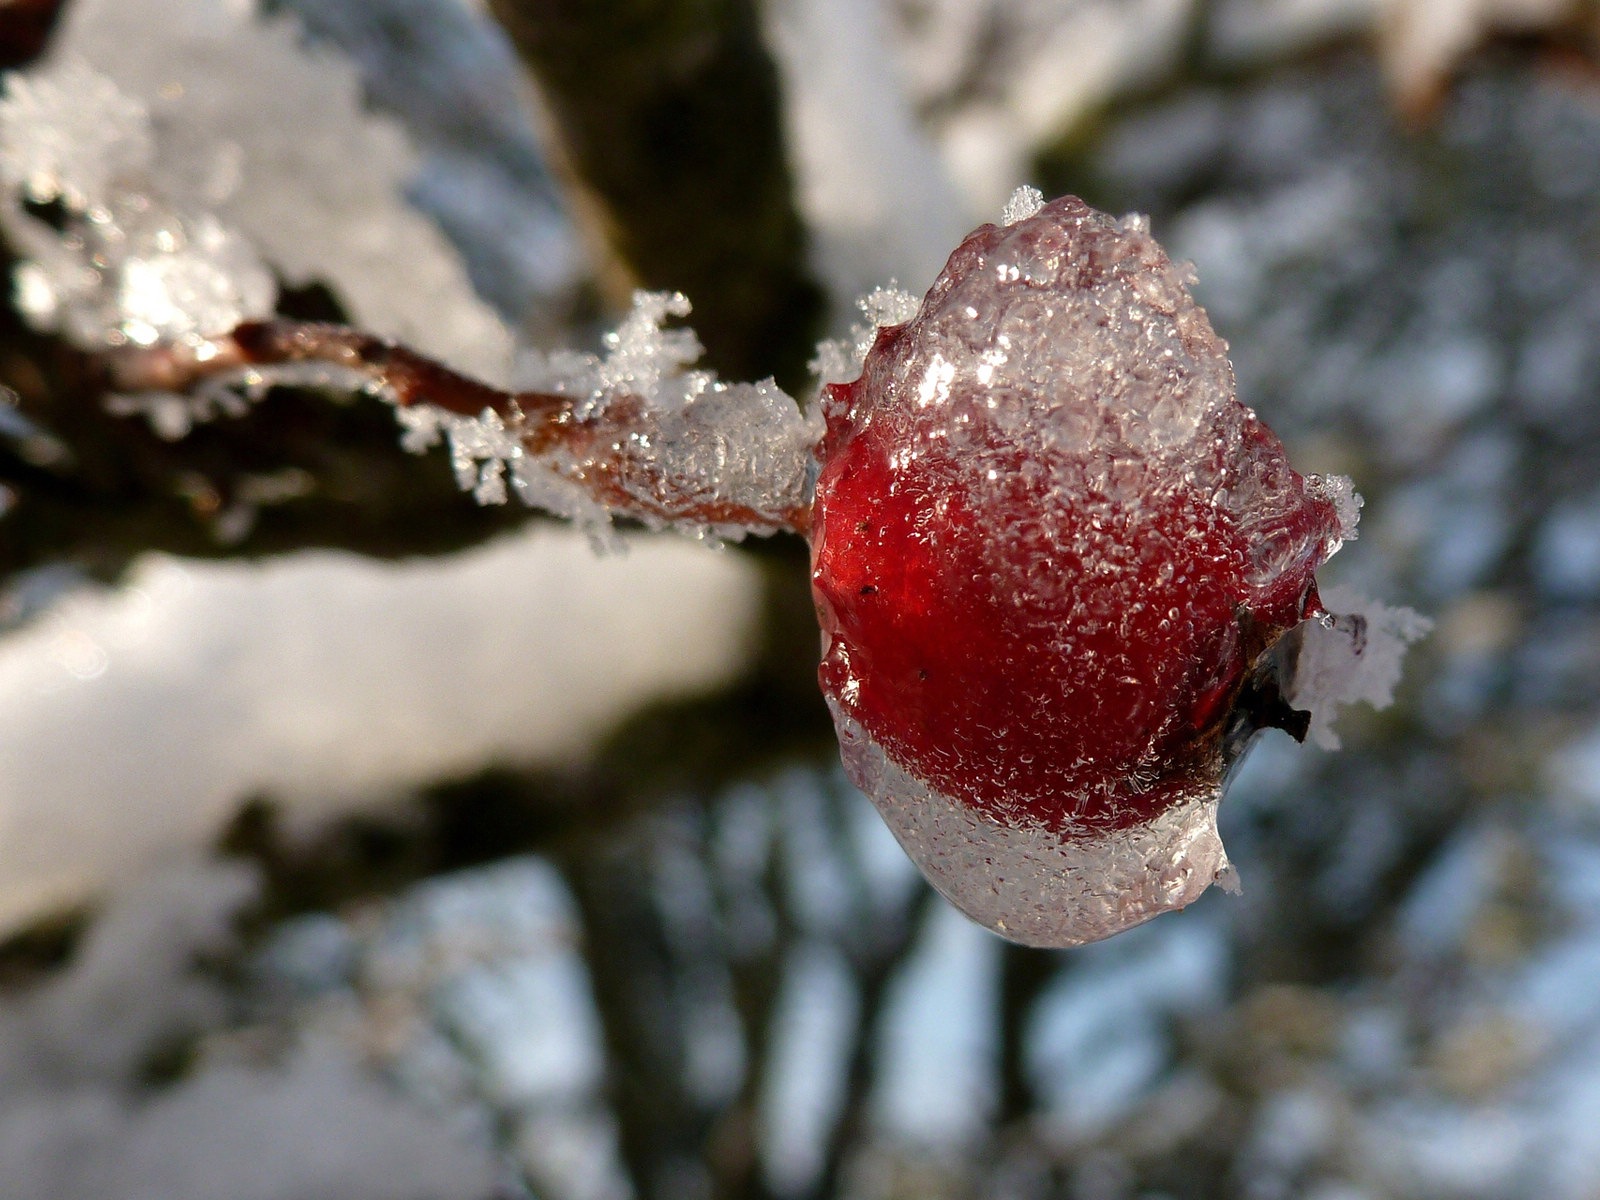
x: 604, y: 448
x: 409, y: 378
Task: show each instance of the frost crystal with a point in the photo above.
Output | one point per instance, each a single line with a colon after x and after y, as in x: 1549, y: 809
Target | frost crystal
x: 67, y: 132
x: 126, y: 265
x: 839, y: 360
x: 1024, y: 202
x: 677, y: 445
x: 1353, y: 659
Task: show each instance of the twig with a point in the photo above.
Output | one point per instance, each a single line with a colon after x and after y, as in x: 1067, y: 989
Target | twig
x: 604, y: 448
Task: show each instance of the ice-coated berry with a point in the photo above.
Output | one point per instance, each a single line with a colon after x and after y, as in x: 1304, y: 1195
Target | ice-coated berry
x: 1049, y: 549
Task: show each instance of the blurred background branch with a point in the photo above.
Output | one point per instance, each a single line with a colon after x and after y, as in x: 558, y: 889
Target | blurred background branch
x: 666, y: 118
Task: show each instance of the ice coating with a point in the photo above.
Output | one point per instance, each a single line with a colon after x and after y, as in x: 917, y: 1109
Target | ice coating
x: 1046, y: 891
x: 1049, y: 548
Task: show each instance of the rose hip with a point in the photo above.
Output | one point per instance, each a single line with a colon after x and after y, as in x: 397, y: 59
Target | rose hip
x: 1050, y: 548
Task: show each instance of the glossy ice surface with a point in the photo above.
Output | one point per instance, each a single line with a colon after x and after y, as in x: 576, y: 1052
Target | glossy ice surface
x: 1049, y: 545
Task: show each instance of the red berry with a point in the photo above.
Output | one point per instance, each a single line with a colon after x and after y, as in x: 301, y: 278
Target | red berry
x: 1049, y: 546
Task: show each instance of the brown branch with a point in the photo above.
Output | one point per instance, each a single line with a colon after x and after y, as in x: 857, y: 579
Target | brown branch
x: 600, y: 447
x: 408, y: 377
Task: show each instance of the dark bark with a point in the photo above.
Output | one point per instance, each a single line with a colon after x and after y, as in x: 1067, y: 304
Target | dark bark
x: 1024, y: 974
x: 25, y: 27
x: 666, y: 114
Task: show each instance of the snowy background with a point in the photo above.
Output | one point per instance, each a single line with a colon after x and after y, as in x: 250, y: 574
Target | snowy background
x: 371, y: 857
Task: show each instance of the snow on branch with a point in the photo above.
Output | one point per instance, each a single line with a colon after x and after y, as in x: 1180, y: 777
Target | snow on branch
x: 154, y: 216
x: 167, y: 186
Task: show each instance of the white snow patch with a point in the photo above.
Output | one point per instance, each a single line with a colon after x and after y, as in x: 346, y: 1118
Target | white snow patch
x: 316, y: 1124
x: 137, y: 720
x: 876, y: 195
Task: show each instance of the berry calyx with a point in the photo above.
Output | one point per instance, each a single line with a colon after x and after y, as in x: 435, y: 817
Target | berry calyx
x: 1050, y: 549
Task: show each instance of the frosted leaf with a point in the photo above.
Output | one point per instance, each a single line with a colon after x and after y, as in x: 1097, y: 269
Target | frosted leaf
x: 1024, y: 202
x: 1354, y: 658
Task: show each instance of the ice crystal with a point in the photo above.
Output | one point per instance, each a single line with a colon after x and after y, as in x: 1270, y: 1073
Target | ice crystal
x: 1354, y: 659
x: 839, y: 360
x: 1024, y: 202
x: 684, y: 443
x: 67, y: 132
